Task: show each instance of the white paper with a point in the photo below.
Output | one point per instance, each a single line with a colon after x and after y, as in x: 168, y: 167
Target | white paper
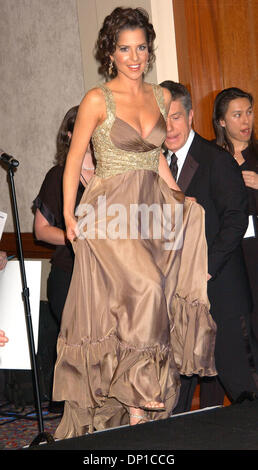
x: 3, y: 217
x: 16, y: 353
x: 250, y: 232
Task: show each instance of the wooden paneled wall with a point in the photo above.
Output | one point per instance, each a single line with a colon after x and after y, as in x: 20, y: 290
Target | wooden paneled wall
x: 31, y: 248
x: 217, y: 47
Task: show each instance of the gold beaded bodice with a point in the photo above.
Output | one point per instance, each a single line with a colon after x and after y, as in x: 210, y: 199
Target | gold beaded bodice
x: 118, y: 147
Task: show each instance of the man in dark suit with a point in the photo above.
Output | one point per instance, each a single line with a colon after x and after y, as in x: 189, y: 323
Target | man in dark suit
x: 210, y: 174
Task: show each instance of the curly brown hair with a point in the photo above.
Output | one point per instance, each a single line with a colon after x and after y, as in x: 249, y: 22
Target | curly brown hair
x: 119, y: 20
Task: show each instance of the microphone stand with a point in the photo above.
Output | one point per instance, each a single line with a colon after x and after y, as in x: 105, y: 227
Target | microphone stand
x: 43, y: 436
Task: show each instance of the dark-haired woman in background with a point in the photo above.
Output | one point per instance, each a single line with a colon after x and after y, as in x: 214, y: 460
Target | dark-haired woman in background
x: 49, y: 223
x: 233, y: 123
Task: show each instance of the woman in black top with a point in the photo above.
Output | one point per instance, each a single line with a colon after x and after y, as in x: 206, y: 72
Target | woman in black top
x: 233, y: 122
x: 49, y: 223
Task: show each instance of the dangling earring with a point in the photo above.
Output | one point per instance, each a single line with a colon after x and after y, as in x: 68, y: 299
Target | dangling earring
x: 110, y: 68
x: 146, y: 68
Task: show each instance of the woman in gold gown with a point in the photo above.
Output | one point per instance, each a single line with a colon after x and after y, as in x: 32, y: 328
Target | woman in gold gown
x: 137, y: 312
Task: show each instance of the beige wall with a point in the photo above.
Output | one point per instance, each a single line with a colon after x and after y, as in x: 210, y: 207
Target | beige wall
x: 41, y: 78
x: 166, y: 58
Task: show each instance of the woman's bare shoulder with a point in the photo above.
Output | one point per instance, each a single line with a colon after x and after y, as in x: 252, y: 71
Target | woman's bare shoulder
x: 167, y: 97
x: 93, y: 106
x: 93, y: 97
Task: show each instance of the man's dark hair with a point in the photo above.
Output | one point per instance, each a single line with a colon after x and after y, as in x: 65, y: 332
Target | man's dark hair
x: 178, y: 92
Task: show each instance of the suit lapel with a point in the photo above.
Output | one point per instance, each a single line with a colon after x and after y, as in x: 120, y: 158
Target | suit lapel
x: 189, y: 168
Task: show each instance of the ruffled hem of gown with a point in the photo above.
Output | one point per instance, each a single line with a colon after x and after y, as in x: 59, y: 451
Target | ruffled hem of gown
x: 104, y: 378
x: 193, y: 336
x: 108, y: 368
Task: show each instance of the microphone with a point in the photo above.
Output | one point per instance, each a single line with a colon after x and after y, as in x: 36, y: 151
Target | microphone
x: 5, y: 158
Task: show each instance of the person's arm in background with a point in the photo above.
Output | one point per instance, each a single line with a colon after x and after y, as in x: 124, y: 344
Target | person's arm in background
x: 48, y: 220
x: 3, y: 338
x: 46, y: 232
x: 230, y: 198
x: 250, y: 179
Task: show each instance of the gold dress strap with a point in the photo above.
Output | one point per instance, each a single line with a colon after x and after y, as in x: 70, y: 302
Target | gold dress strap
x: 110, y: 104
x: 158, y: 92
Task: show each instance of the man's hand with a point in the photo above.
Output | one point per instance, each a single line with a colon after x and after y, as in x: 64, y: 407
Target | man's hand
x: 191, y: 198
x: 250, y: 179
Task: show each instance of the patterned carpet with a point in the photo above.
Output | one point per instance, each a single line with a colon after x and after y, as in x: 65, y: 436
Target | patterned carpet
x: 19, y: 427
x: 18, y: 432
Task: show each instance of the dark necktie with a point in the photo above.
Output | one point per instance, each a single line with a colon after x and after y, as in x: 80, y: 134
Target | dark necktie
x: 173, y: 165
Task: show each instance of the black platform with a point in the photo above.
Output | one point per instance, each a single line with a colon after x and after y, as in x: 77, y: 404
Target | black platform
x: 233, y: 427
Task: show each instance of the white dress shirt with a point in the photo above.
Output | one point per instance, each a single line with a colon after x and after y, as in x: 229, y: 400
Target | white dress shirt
x: 181, y: 153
